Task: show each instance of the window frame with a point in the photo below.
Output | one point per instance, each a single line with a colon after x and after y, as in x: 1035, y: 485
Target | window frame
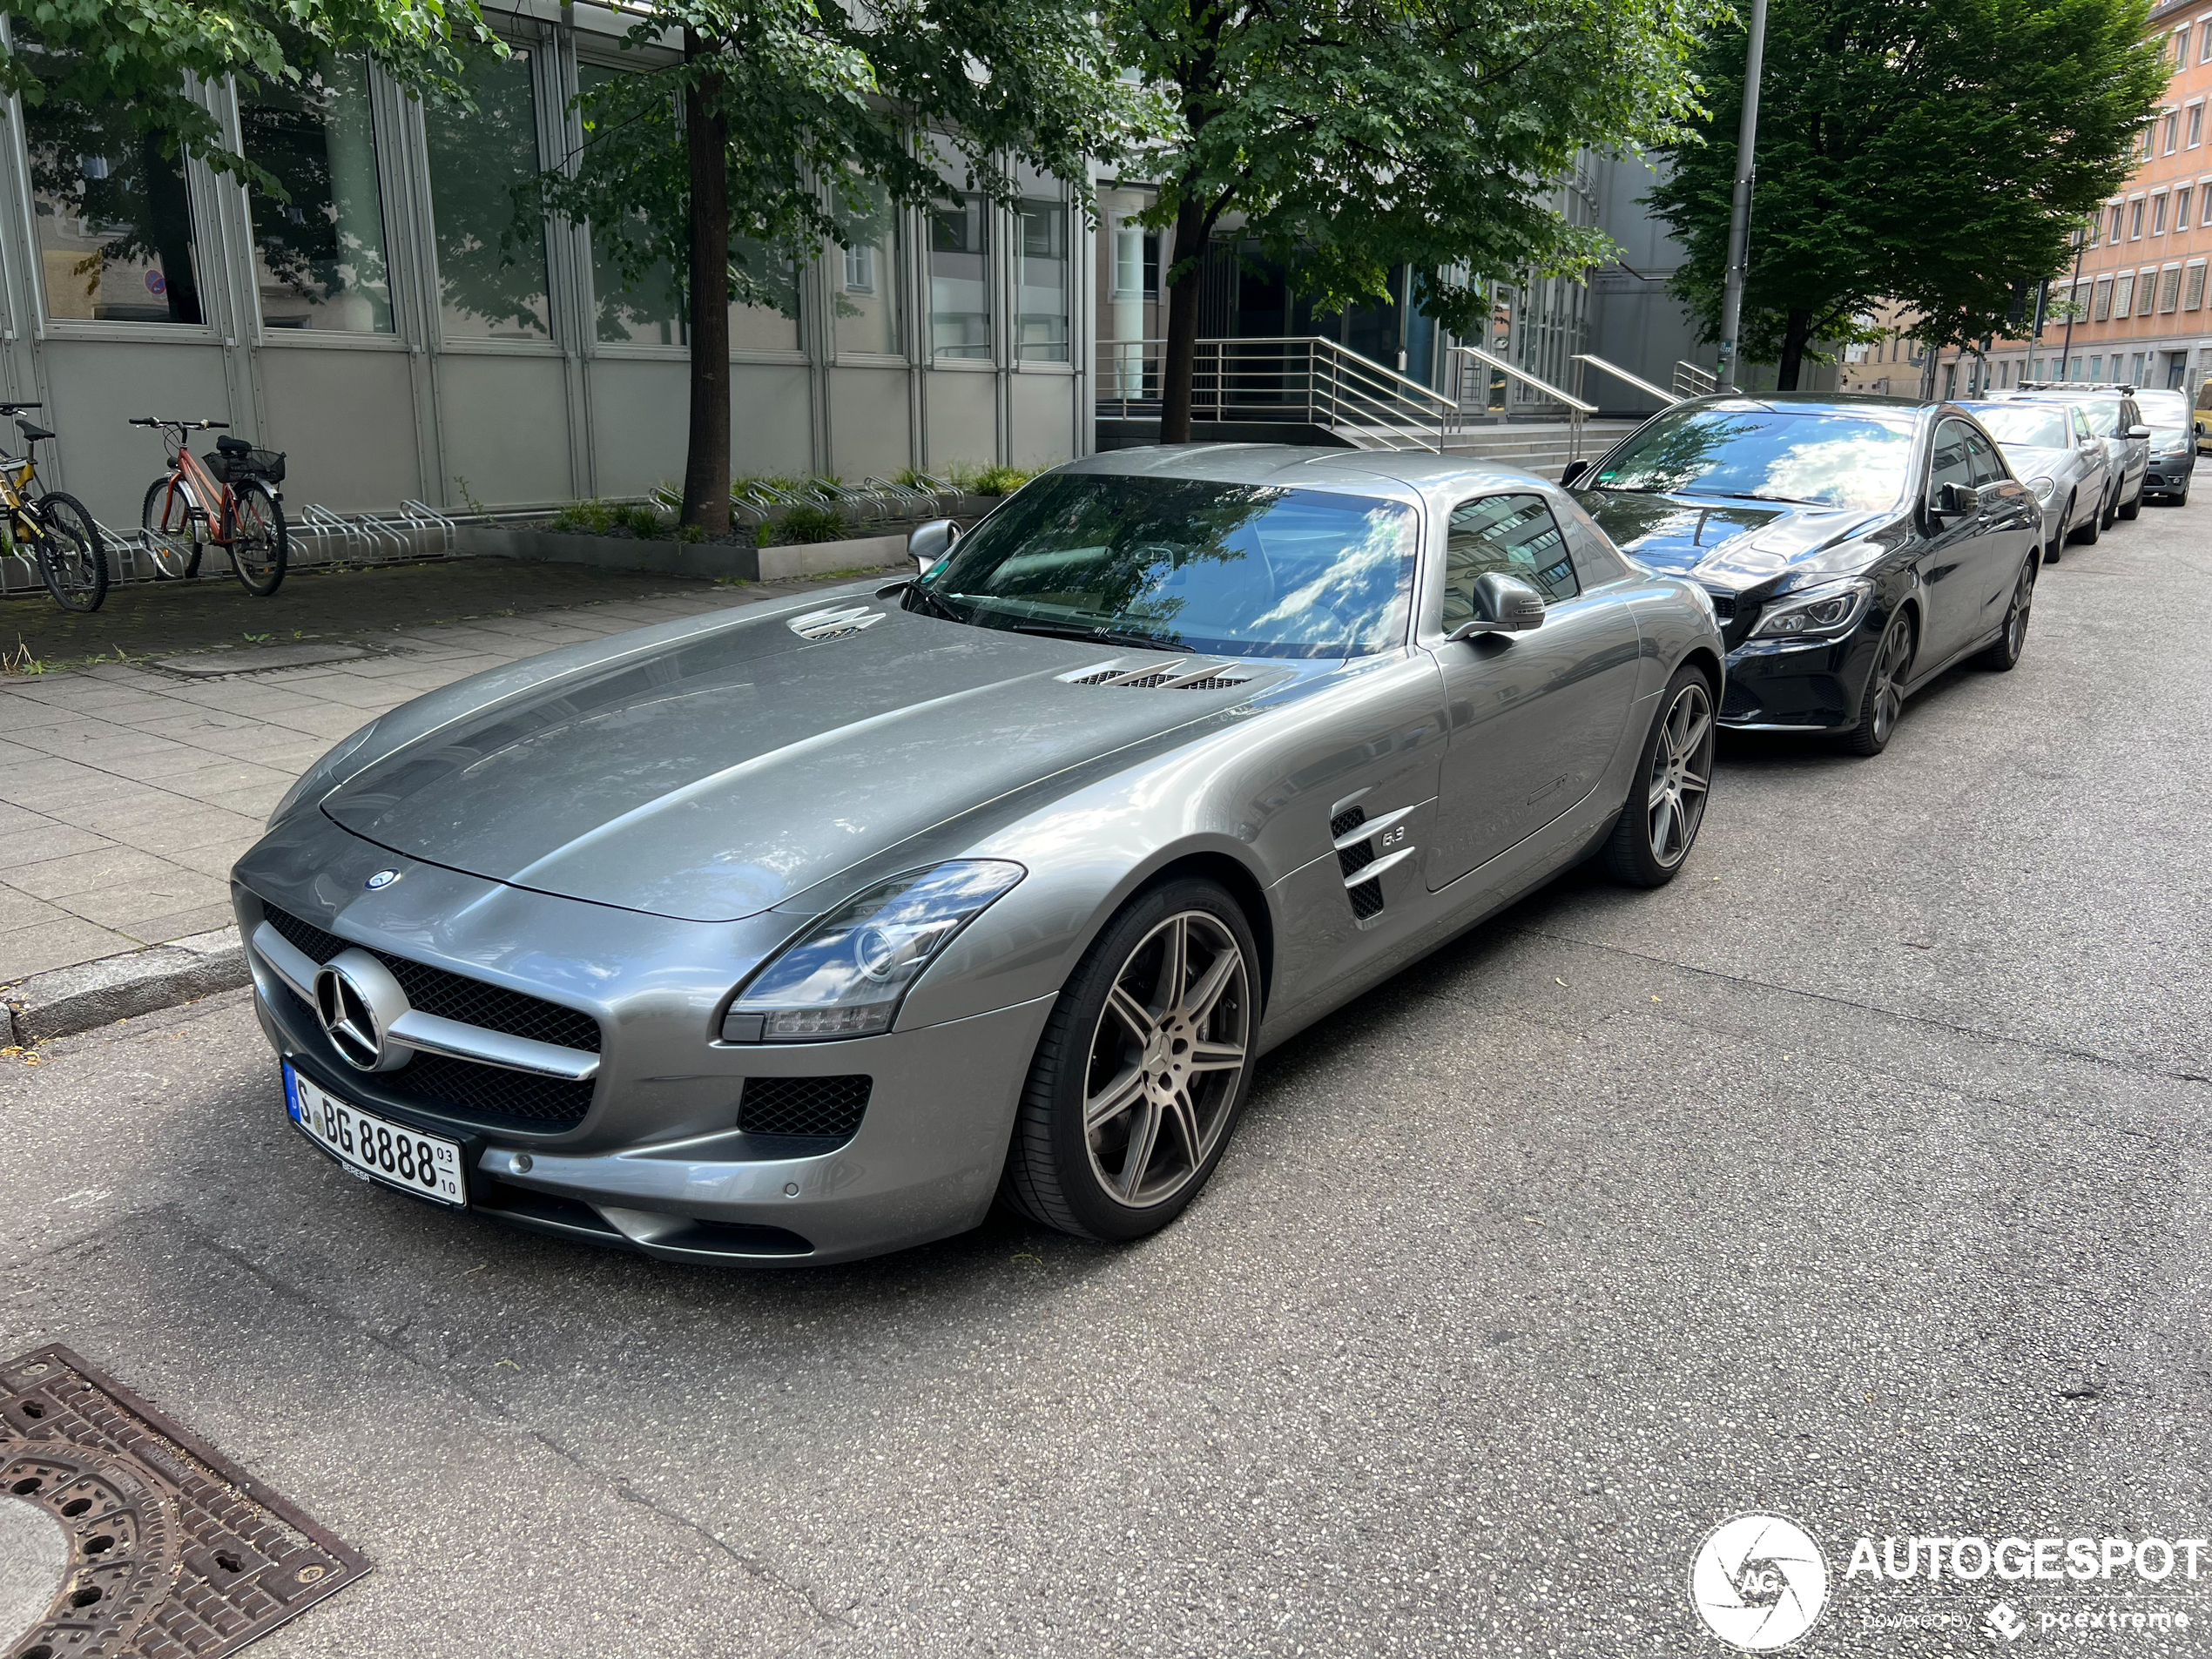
x: 1444, y: 587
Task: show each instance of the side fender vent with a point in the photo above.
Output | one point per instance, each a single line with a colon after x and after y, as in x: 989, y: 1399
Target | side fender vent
x: 1360, y: 859
x: 834, y: 625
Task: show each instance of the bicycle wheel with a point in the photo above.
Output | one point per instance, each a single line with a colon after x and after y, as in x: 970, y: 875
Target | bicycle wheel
x: 261, y: 546
x: 171, y: 537
x: 71, y: 554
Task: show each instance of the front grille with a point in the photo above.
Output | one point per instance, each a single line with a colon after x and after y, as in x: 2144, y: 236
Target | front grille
x: 1723, y: 605
x: 827, y: 1107
x: 1739, y: 704
x: 454, y: 996
x: 491, y: 1097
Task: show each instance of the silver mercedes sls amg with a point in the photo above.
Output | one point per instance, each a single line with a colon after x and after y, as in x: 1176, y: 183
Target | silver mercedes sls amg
x: 806, y: 930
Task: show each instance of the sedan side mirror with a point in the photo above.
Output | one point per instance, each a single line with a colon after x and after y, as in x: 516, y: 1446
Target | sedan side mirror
x: 2138, y: 432
x: 1956, y: 500
x: 929, y: 542
x: 1503, y: 604
x: 1574, y: 470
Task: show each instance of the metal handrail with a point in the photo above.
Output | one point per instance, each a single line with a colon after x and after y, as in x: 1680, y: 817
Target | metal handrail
x: 1693, y: 382
x: 1577, y: 409
x: 1285, y: 377
x: 1621, y: 374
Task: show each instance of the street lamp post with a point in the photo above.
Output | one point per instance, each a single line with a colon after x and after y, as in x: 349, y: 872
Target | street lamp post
x: 1739, y: 214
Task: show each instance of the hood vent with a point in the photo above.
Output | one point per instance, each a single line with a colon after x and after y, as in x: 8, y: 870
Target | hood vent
x: 1150, y: 674
x: 834, y: 625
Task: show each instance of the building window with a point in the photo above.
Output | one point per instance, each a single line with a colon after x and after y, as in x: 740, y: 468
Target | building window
x: 2196, y: 125
x: 648, y: 308
x: 769, y: 321
x: 116, y: 239
x: 2102, y: 311
x: 317, y: 258
x: 2158, y: 214
x: 1041, y: 314
x: 867, y: 292
x: 2114, y: 236
x: 2146, y: 292
x: 2135, y: 369
x: 960, y: 279
x: 2096, y: 368
x: 2173, y: 131
x: 2136, y: 219
x: 2192, y: 287
x: 2182, y: 47
x: 2170, y: 288
x: 2204, y: 45
x: 491, y: 251
x: 2181, y: 208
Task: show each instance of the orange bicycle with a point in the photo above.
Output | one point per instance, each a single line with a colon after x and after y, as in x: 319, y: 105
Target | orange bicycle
x: 227, y: 499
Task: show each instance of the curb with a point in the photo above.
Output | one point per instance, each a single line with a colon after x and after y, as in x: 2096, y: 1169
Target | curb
x: 70, y: 1000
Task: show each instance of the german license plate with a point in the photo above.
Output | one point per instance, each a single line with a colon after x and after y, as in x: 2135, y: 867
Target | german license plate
x: 425, y: 1164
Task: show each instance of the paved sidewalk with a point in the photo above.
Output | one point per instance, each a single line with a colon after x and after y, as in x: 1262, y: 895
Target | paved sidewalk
x: 127, y: 792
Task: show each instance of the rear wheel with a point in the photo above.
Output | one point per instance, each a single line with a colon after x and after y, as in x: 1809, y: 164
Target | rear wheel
x: 1659, y: 822
x: 2111, y: 507
x: 2135, y: 508
x: 1882, y: 703
x: 71, y: 556
x: 173, y: 536
x: 1143, y: 1069
x: 2090, y: 528
x: 2001, y: 656
x: 261, y: 546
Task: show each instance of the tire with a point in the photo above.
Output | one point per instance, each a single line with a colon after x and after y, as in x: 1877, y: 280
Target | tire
x: 2090, y: 528
x: 2111, y: 508
x: 1119, y: 1060
x: 172, y: 537
x: 72, y: 558
x: 260, y: 545
x: 2057, y: 549
x: 2134, y: 508
x: 2001, y: 657
x: 1659, y: 822
x: 1882, y: 703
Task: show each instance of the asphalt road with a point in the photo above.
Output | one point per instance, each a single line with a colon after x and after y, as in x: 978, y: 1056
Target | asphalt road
x: 1858, y: 1176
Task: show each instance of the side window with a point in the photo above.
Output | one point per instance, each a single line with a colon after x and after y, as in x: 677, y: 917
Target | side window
x: 1988, y: 469
x: 1596, y: 560
x: 1512, y: 535
x: 1948, y: 463
x: 2081, y: 428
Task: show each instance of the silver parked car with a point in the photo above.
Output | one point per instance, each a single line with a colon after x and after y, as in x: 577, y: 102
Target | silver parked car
x: 801, y: 932
x: 2112, y: 415
x: 2052, y: 451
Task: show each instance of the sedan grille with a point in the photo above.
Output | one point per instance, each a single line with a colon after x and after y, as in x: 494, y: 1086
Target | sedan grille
x: 454, y: 996
x: 1723, y: 605
x: 824, y: 1107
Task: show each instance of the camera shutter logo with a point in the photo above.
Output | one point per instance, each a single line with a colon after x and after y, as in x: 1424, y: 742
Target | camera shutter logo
x: 1758, y: 1582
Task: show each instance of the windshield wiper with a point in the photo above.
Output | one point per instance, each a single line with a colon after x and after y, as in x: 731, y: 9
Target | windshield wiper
x: 1745, y: 494
x: 1093, y: 635
x: 921, y: 599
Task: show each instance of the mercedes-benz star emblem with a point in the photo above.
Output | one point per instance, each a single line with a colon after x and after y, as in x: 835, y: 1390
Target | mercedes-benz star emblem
x: 381, y: 878
x: 357, y: 1001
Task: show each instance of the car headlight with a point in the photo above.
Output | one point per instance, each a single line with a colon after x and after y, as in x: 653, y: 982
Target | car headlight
x: 1824, y: 612
x: 2042, y: 486
x: 322, y: 778
x: 846, y: 975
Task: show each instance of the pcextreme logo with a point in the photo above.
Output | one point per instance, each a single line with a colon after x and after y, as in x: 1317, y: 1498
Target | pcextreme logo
x: 1758, y: 1582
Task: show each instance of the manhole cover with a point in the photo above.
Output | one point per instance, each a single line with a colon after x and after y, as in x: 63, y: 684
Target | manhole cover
x: 167, y: 1549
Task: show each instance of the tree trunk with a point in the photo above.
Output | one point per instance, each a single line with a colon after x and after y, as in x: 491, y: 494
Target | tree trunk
x: 707, y: 138
x: 1180, y: 364
x: 1796, y: 336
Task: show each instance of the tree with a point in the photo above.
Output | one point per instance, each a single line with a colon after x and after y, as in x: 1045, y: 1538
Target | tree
x: 1352, y: 136
x: 782, y: 125
x: 1938, y: 152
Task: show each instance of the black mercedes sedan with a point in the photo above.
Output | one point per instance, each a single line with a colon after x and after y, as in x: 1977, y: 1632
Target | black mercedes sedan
x: 1854, y: 548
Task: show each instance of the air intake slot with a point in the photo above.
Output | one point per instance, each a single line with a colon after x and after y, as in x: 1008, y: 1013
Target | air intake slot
x: 1150, y: 673
x: 1357, y: 858
x: 817, y: 625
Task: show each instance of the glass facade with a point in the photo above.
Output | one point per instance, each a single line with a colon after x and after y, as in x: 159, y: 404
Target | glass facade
x: 117, y: 240
x: 866, y: 279
x: 318, y: 260
x: 959, y: 280
x: 773, y: 324
x: 490, y: 244
x: 1041, y: 282
x: 646, y: 310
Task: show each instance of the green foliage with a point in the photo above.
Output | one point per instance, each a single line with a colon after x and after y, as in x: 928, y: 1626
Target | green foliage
x: 1354, y: 135
x: 1933, y: 152
x: 129, y: 59
x: 807, y: 523
x: 610, y: 518
x: 983, y: 480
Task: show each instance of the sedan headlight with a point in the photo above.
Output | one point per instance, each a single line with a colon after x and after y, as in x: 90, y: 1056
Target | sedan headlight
x: 322, y: 778
x: 1825, y: 612
x: 2042, y: 486
x: 846, y: 976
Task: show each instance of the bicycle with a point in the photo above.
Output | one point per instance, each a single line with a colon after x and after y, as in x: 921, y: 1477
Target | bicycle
x: 72, y: 560
x: 228, y: 499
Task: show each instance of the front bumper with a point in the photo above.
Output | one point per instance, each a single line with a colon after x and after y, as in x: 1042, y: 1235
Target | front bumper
x: 2170, y: 472
x: 1780, y: 685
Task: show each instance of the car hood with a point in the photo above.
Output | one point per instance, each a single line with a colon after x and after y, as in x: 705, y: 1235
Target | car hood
x: 2029, y: 460
x: 1732, y: 544
x: 718, y: 776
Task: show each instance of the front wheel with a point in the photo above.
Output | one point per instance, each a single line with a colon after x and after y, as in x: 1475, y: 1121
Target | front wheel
x: 261, y: 546
x: 1142, y: 1070
x: 2051, y: 554
x: 173, y: 534
x: 72, y: 557
x: 2001, y: 656
x: 1882, y: 703
x: 1659, y: 822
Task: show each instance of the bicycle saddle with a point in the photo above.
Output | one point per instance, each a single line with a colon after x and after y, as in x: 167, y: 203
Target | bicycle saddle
x: 233, y: 446
x: 31, y: 433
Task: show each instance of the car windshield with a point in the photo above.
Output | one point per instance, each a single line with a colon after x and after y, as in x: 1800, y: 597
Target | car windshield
x: 2035, y: 424
x: 2104, y: 415
x: 1186, y: 565
x: 2163, y: 408
x: 1752, y: 451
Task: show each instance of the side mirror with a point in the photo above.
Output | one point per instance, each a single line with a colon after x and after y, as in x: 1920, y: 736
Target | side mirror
x: 1574, y: 470
x: 2138, y: 432
x: 1503, y: 604
x: 929, y: 542
x: 1956, y: 500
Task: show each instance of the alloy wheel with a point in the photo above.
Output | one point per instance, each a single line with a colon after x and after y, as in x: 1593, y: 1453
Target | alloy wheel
x: 2016, y: 623
x: 1889, y: 679
x: 1166, y: 1059
x: 1682, y: 769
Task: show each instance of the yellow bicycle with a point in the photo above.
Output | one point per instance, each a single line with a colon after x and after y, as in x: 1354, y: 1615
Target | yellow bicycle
x: 51, y: 527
